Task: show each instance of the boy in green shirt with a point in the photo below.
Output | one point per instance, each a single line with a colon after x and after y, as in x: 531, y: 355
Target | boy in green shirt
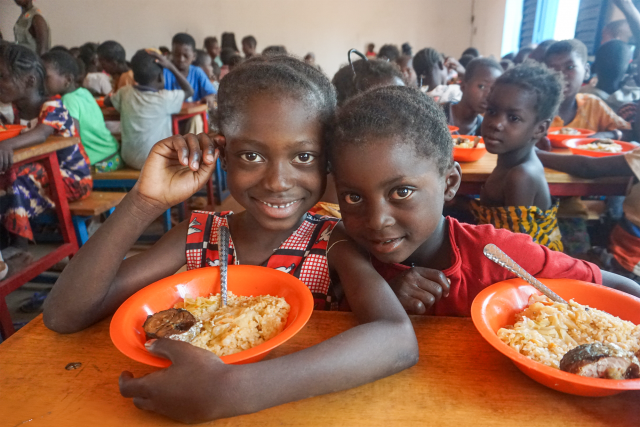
x: 101, y: 147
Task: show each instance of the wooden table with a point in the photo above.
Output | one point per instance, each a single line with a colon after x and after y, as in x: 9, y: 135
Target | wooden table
x: 460, y: 380
x: 45, y: 153
x: 474, y: 175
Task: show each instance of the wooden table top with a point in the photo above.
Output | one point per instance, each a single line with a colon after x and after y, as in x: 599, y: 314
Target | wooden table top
x: 112, y: 114
x: 53, y: 143
x: 460, y: 380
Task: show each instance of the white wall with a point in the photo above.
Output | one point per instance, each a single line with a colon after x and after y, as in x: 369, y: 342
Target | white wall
x: 326, y: 27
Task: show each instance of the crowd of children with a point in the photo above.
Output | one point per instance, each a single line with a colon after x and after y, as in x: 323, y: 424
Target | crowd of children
x: 343, y: 184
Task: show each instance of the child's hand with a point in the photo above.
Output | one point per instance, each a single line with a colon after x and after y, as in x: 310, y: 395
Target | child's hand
x: 452, y: 64
x: 6, y: 158
x: 193, y: 389
x: 160, y: 59
x: 419, y: 288
x: 544, y: 144
x: 176, y: 168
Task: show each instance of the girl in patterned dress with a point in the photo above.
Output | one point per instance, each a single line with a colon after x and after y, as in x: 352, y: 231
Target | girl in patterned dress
x: 273, y: 112
x: 24, y: 192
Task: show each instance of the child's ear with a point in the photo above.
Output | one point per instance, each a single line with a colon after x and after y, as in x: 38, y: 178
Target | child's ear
x: 587, y: 71
x: 453, y: 179
x: 541, y: 129
x: 220, y: 143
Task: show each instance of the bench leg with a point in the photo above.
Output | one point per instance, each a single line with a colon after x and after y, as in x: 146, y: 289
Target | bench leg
x: 79, y: 223
x: 6, y: 325
x: 166, y: 219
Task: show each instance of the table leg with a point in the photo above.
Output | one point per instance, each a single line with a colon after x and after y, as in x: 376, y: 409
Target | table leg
x: 205, y: 122
x: 6, y: 325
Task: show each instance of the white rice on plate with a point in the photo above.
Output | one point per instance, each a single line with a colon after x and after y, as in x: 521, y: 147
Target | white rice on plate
x: 546, y: 330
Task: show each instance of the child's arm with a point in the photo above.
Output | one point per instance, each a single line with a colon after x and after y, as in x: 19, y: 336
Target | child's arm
x: 585, y: 166
x: 97, y: 281
x: 39, y: 134
x: 182, y: 81
x: 620, y: 283
x: 521, y: 187
x: 199, y: 387
x: 632, y: 15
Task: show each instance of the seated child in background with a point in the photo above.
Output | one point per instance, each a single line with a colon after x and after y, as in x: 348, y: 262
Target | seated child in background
x: 516, y: 194
x: 183, y: 52
x: 113, y: 60
x: 623, y: 255
x: 226, y: 56
x: 272, y: 118
x: 212, y: 47
x: 95, y: 80
x: 405, y: 62
x: 581, y: 110
x: 146, y: 108
x: 203, y: 60
x: 99, y: 144
x: 479, y: 76
x: 23, y: 190
x: 249, y: 45
x: 432, y: 76
x: 433, y: 263
x: 368, y: 74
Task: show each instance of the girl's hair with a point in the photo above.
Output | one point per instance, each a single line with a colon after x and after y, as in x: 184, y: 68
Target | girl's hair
x: 537, y: 78
x: 367, y: 75
x: 394, y: 112
x: 229, y: 41
x: 472, y: 68
x: 112, y: 51
x: 64, y: 63
x: 279, y: 77
x: 22, y: 61
x: 87, y: 52
x: 425, y: 61
x: 389, y: 52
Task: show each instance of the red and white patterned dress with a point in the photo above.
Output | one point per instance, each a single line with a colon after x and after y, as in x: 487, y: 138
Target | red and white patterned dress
x: 303, y: 254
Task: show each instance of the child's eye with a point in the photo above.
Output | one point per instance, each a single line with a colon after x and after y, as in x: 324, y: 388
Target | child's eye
x: 513, y: 118
x: 491, y: 112
x: 402, y: 193
x: 304, y: 158
x: 481, y: 86
x: 571, y: 67
x: 251, y: 157
x: 352, y: 199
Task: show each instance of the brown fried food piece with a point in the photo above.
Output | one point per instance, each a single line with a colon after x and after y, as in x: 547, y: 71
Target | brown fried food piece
x: 168, y: 323
x: 598, y: 360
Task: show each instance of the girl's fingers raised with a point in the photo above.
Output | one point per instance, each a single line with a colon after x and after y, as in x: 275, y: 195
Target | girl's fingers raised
x: 207, y: 148
x: 180, y: 145
x: 194, y: 151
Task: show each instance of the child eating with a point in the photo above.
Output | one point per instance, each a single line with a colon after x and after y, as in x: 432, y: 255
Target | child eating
x: 432, y: 76
x: 273, y: 112
x: 100, y: 145
x: 516, y: 194
x: 434, y: 264
x: 479, y: 76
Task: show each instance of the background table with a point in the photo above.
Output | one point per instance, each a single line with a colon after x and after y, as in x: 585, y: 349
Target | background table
x: 474, y: 175
x: 460, y: 380
x: 45, y: 153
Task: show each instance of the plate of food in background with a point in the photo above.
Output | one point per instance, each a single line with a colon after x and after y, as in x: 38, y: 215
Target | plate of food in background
x: 558, y: 135
x: 598, y: 147
x: 467, y: 148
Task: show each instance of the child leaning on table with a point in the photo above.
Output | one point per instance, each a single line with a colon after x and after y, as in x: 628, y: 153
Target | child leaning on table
x: 516, y: 194
x: 272, y: 117
x: 24, y: 190
x: 146, y: 107
x: 62, y: 74
x: 433, y: 263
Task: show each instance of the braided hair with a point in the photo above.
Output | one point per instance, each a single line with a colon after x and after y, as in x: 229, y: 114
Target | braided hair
x: 426, y: 60
x: 64, y: 63
x: 277, y: 76
x: 394, y: 112
x: 368, y: 74
x: 22, y: 62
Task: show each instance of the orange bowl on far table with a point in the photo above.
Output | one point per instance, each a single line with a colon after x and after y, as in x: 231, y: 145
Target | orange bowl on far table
x: 496, y: 306
x: 100, y: 101
x: 128, y: 335
x: 558, y: 140
x: 453, y: 129
x: 461, y: 154
x: 574, y: 146
x: 10, y: 132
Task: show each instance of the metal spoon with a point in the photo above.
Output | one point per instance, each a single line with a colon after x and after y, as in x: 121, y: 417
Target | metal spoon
x: 496, y: 255
x: 223, y: 252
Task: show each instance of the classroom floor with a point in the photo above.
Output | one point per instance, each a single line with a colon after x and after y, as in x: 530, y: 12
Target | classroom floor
x: 45, y: 281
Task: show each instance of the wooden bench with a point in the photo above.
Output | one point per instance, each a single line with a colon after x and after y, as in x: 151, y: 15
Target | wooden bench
x: 97, y: 203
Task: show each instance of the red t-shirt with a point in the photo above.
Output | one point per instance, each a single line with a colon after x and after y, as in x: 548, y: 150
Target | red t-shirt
x: 471, y: 271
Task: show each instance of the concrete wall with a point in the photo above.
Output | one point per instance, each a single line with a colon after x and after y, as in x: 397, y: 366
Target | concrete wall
x: 326, y: 27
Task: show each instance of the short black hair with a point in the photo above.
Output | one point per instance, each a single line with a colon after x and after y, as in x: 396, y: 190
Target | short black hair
x: 568, y: 46
x: 425, y: 60
x: 250, y: 40
x: 522, y: 54
x: 59, y: 48
x: 228, y: 40
x: 184, y: 39
x: 164, y: 50
x: 540, y: 51
x: 88, y: 51
x: 276, y: 76
x: 471, y: 51
x: 368, y: 74
x: 201, y: 58
x: 145, y: 68
x: 407, y: 49
x: 465, y: 59
x: 532, y: 76
x: 479, y: 63
x: 275, y: 50
x: 389, y: 51
x: 226, y: 54
x: 64, y: 63
x: 112, y: 51
x: 210, y: 41
x: 612, y: 60
x: 394, y: 112
x: 22, y: 61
